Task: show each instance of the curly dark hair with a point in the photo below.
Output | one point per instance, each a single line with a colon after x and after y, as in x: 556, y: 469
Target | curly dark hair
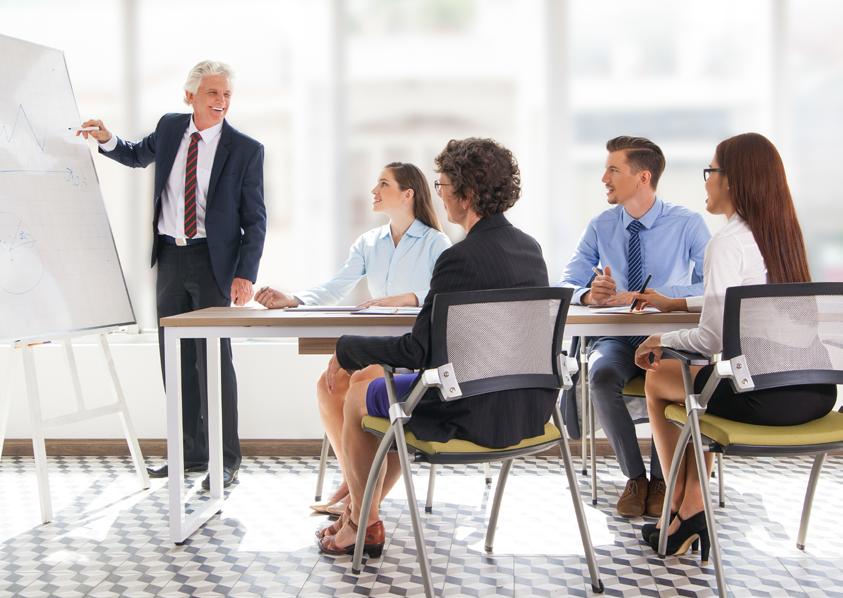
x: 483, y: 171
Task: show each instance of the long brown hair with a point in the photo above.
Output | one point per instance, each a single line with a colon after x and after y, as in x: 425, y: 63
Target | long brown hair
x: 759, y: 192
x: 408, y: 176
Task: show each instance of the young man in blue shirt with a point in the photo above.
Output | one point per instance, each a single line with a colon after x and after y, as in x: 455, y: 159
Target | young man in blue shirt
x: 639, y: 235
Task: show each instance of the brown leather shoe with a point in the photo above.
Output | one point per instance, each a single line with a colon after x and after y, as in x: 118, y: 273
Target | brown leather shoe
x: 631, y: 502
x: 655, y: 498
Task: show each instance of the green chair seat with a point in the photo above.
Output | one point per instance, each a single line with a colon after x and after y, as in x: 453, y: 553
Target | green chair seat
x: 379, y: 425
x: 826, y: 430
x: 635, y: 387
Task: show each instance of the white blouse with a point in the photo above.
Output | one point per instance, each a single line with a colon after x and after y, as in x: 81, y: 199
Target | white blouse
x: 732, y: 259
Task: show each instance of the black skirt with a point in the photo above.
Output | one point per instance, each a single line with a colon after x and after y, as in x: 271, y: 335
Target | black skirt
x: 789, y: 406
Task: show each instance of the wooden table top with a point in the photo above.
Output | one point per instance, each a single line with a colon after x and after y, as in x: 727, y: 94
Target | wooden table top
x: 250, y: 316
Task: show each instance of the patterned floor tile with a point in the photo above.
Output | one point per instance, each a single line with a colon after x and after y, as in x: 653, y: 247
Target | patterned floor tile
x: 109, y: 539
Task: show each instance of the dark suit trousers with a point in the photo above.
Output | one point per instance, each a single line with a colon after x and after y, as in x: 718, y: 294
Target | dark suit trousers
x: 185, y: 282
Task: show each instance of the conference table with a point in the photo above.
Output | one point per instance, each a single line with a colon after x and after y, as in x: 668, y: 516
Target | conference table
x: 316, y: 333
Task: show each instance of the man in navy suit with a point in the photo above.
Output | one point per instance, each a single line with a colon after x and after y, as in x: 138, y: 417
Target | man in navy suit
x: 209, y: 225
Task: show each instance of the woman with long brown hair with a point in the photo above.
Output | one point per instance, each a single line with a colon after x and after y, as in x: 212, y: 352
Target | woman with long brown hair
x: 760, y: 243
x: 397, y: 261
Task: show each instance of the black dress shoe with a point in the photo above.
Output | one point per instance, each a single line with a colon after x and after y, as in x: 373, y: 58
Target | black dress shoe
x: 162, y: 471
x: 229, y: 474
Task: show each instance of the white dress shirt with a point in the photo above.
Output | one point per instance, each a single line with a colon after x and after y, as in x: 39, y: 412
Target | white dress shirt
x: 171, y: 220
x: 732, y: 259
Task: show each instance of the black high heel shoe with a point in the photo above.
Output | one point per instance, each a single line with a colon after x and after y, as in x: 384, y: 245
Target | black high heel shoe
x: 690, y: 531
x: 648, y: 528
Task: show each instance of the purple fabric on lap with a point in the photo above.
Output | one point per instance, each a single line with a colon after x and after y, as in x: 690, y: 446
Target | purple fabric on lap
x: 377, y: 401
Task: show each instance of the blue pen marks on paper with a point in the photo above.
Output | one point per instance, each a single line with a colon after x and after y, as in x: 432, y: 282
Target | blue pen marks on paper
x: 21, y: 131
x: 21, y: 268
x: 22, y: 120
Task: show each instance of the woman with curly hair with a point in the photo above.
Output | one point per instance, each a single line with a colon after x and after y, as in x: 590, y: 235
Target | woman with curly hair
x: 478, y: 181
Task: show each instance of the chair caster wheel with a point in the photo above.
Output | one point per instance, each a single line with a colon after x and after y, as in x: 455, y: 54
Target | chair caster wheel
x: 801, y: 547
x: 599, y: 588
x: 317, y: 498
x: 428, y: 509
x: 594, y: 502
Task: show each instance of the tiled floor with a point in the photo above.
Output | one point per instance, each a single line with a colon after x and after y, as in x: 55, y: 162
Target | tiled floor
x: 108, y: 539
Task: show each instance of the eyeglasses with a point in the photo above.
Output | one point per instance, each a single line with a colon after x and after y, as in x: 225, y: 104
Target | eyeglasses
x: 707, y: 172
x: 438, y: 186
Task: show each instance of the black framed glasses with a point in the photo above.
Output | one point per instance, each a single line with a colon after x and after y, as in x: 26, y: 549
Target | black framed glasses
x: 707, y: 172
x: 438, y: 186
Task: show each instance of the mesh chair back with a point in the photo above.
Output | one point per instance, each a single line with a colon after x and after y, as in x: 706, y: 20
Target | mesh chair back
x: 501, y: 339
x: 789, y: 333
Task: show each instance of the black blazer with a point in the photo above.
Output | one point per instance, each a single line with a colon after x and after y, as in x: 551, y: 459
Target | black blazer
x: 494, y: 255
x: 235, y: 219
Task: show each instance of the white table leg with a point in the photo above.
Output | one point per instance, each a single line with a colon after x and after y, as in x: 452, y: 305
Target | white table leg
x: 214, y: 417
x: 182, y: 527
x: 175, y: 455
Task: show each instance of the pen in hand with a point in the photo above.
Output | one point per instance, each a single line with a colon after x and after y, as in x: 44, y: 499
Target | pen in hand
x: 643, y: 288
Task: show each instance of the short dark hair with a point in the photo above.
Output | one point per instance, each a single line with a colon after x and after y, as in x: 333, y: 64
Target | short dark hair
x: 641, y: 154
x: 482, y: 170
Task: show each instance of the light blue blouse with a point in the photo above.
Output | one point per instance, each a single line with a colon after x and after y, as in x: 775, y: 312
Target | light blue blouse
x: 389, y: 270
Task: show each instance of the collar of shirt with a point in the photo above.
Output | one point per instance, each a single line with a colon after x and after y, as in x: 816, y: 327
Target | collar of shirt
x: 208, y: 135
x: 417, y: 229
x: 647, y: 219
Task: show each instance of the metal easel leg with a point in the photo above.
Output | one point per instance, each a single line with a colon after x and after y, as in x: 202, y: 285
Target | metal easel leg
x: 38, y: 447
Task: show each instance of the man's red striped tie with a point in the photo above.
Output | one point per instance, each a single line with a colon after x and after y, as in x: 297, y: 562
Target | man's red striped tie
x: 190, y: 186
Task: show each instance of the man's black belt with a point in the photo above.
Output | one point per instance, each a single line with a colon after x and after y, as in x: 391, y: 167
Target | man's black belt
x: 181, y: 241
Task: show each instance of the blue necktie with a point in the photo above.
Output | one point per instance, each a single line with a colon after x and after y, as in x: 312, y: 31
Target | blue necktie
x: 635, y: 272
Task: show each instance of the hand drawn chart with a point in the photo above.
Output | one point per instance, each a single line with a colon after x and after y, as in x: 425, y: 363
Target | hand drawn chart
x: 20, y: 263
x: 59, y: 269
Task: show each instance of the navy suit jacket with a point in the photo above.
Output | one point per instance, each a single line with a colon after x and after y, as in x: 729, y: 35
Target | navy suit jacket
x: 235, y: 217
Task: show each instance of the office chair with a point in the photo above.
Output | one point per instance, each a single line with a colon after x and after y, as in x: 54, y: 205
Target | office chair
x: 774, y: 336
x: 633, y: 394
x: 521, y: 350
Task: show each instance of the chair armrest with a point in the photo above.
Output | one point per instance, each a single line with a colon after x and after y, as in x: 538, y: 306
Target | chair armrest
x: 685, y: 357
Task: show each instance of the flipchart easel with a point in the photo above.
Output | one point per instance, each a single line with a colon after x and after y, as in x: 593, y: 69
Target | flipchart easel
x: 26, y: 350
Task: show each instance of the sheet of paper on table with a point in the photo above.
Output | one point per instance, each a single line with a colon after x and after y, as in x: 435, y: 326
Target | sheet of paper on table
x: 323, y: 308
x: 381, y: 310
x: 622, y: 309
